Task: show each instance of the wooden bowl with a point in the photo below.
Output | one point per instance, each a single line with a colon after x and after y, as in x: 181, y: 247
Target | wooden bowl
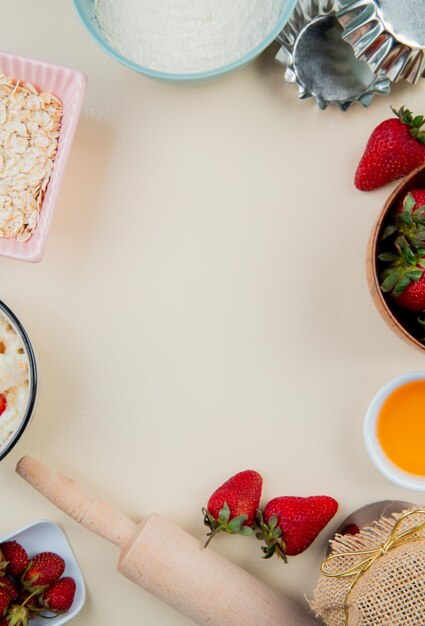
x: 398, y: 320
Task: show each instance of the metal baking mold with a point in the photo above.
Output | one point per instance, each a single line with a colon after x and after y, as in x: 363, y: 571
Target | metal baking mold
x: 321, y: 63
x: 389, y: 35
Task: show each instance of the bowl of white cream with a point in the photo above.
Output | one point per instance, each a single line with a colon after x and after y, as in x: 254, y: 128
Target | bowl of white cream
x: 184, y: 39
x: 18, y: 380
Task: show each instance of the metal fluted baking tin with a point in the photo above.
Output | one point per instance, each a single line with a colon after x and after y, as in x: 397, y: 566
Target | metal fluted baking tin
x: 321, y: 63
x: 388, y: 34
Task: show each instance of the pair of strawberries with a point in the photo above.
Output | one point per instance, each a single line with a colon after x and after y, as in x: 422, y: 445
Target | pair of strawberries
x: 287, y: 525
x: 30, y: 587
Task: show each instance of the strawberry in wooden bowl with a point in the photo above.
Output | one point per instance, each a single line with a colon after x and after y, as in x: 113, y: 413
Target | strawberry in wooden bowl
x: 396, y: 259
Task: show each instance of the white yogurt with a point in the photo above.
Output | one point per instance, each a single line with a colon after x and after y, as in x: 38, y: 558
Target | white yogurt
x: 14, y: 380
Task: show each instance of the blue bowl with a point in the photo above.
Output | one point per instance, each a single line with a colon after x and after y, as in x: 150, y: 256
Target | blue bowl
x: 85, y: 9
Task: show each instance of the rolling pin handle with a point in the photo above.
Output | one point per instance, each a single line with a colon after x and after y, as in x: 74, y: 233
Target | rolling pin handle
x: 84, y: 508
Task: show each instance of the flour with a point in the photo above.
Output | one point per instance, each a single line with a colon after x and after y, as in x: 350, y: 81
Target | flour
x: 186, y: 36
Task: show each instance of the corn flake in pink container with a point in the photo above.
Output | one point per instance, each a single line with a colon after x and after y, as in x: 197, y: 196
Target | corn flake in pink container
x: 69, y: 86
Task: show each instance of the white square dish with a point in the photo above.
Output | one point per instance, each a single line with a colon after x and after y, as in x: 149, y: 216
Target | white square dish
x: 45, y: 536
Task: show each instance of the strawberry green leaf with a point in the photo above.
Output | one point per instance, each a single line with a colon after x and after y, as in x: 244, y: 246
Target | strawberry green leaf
x: 405, y: 116
x: 418, y: 212
x: 405, y: 218
x: 246, y: 531
x: 273, y: 522
x: 387, y: 272
x: 388, y: 231
x: 401, y: 285
x: 420, y: 234
x: 269, y: 551
x: 224, y: 514
x: 409, y: 203
x: 421, y: 262
x: 414, y: 274
x: 408, y: 256
x: 401, y: 242
x: 390, y: 282
x: 236, y: 523
x: 388, y: 257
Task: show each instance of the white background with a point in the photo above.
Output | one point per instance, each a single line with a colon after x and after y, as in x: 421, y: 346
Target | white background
x: 202, y: 306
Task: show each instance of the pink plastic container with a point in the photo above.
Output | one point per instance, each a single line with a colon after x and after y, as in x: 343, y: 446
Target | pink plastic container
x: 69, y: 85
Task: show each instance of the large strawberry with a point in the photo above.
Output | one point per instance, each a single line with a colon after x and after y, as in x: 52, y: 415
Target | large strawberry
x: 395, y: 148
x: 16, y: 557
x: 58, y: 598
x: 404, y: 276
x: 232, y: 507
x: 43, y: 570
x: 290, y: 524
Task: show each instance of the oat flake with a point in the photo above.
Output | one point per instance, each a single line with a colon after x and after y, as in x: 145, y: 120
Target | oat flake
x: 29, y: 131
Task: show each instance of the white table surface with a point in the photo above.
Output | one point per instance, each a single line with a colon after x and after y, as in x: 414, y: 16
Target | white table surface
x: 202, y: 306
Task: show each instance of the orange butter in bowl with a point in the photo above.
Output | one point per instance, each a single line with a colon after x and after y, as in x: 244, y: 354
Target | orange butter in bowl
x: 394, y: 430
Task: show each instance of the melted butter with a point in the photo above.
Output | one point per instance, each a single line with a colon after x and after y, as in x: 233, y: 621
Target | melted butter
x: 401, y: 427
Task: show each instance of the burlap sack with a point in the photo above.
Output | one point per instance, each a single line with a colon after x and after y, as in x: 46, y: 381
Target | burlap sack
x: 390, y: 593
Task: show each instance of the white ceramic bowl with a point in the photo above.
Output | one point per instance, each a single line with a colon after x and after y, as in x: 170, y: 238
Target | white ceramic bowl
x: 45, y: 536
x: 374, y: 448
x: 32, y: 391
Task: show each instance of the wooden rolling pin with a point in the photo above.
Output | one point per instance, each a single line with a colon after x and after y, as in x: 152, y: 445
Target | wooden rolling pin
x: 170, y: 563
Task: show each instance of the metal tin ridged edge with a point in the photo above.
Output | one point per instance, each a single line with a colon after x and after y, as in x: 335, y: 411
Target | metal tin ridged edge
x: 372, y: 42
x: 305, y: 12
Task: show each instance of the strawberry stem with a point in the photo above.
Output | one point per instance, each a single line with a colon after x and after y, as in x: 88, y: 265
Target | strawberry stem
x: 34, y: 593
x: 233, y: 526
x: 406, y: 117
x: 271, y: 534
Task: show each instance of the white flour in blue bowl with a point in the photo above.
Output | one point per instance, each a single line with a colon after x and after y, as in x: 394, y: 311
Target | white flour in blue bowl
x: 186, y: 36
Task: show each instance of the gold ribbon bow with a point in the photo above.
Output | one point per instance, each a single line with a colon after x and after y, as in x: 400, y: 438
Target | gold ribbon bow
x: 395, y: 539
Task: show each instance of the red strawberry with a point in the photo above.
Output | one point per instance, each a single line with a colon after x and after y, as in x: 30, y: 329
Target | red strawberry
x: 290, y: 524
x: 232, y: 507
x: 395, y: 148
x: 59, y: 597
x: 43, y: 570
x: 6, y: 583
x: 16, y: 556
x: 3, y: 404
x: 412, y: 297
x: 351, y: 529
x: 4, y: 601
